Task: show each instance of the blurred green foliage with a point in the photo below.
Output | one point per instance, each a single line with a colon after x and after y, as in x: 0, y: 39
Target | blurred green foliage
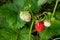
x: 13, y: 28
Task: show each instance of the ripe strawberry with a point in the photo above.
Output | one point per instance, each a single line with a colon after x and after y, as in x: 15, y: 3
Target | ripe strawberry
x: 39, y: 26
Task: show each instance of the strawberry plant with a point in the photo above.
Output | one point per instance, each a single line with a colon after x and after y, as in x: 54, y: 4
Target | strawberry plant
x: 29, y: 19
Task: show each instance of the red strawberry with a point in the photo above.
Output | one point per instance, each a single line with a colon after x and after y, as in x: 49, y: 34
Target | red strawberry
x: 39, y: 26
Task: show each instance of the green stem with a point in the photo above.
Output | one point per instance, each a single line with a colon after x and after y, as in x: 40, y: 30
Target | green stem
x: 55, y: 8
x: 31, y: 29
x: 31, y: 23
x: 41, y: 14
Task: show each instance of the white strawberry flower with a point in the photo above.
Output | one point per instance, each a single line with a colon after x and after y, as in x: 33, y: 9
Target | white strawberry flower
x: 25, y: 16
x: 47, y: 24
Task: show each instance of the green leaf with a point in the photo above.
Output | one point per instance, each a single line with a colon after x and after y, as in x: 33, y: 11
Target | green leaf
x: 11, y: 7
x: 7, y: 34
x: 34, y: 6
x: 3, y: 22
x: 41, y: 2
x: 11, y: 17
x: 20, y: 23
x: 21, y: 4
x: 24, y: 34
x: 51, y: 31
x: 57, y: 15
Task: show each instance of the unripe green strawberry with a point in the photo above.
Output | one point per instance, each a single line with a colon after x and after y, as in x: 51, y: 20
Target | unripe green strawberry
x: 25, y: 16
